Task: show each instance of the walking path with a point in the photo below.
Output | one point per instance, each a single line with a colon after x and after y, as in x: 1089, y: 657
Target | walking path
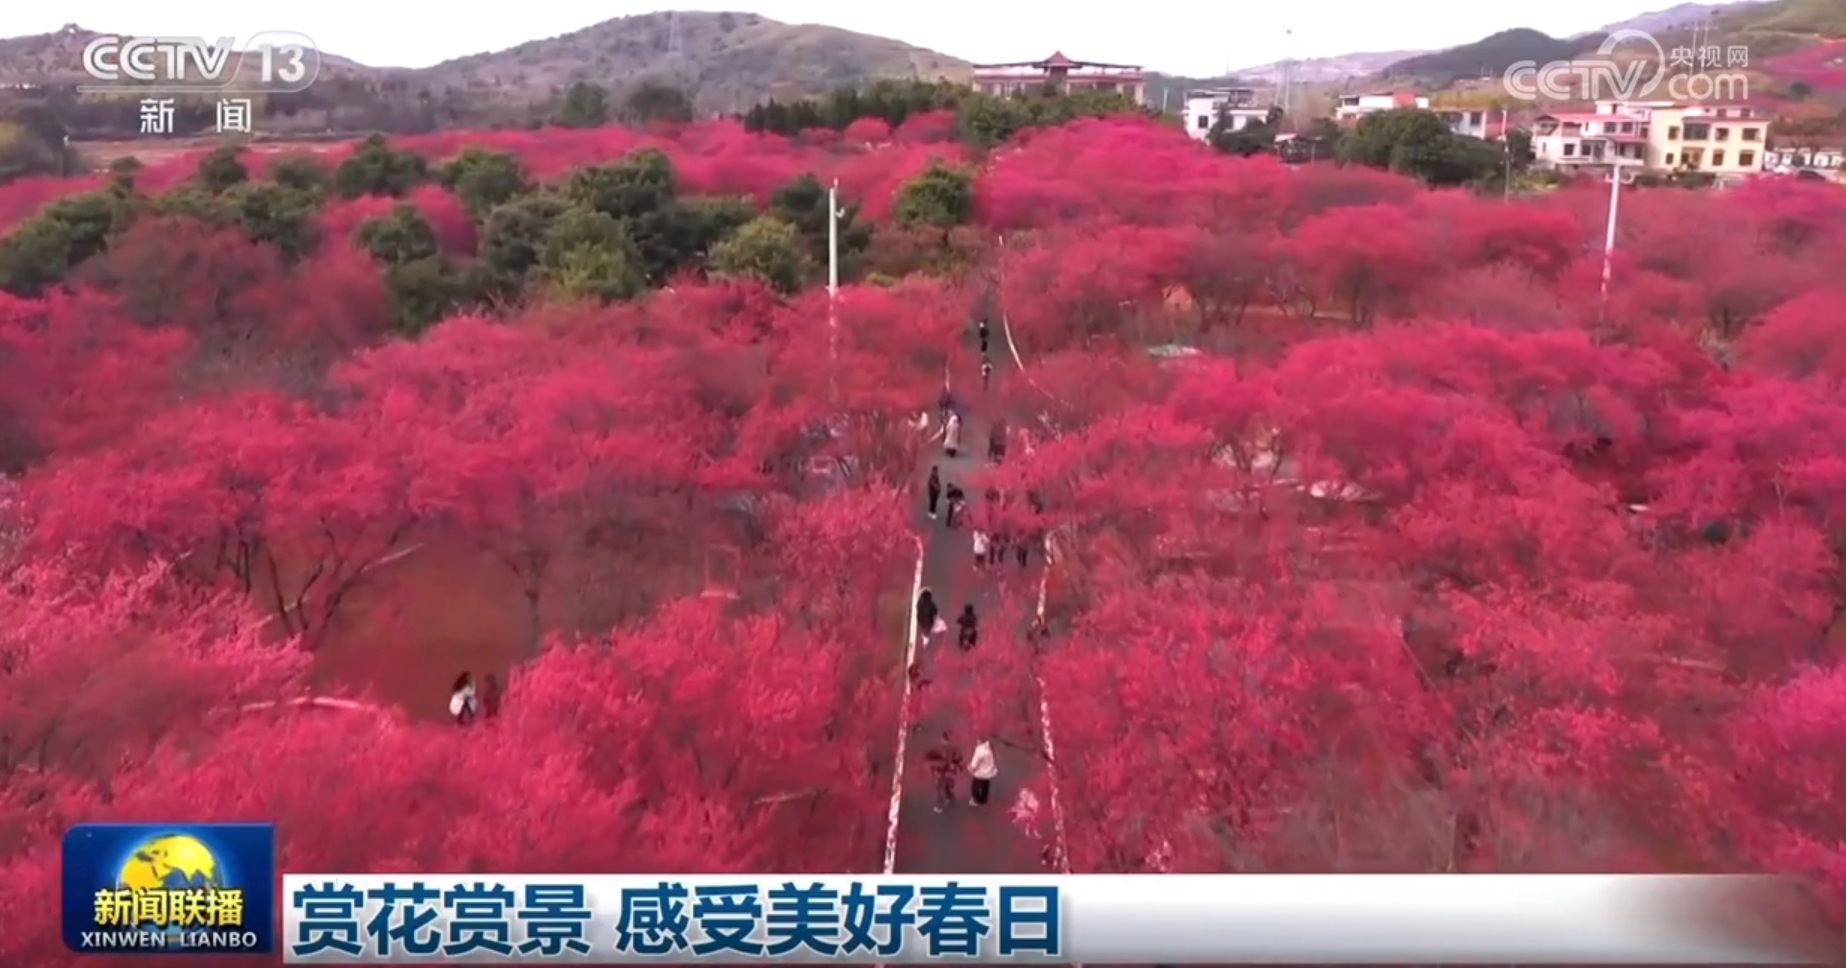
x: 991, y: 685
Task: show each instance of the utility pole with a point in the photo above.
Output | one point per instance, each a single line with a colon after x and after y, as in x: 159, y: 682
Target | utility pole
x: 1608, y: 243
x: 833, y: 287
x: 1506, y: 145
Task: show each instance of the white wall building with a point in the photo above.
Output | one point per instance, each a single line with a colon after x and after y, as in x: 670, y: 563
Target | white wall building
x: 1237, y: 105
x: 1568, y: 141
x: 1352, y: 107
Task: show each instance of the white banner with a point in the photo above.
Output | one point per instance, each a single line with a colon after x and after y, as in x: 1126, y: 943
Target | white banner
x: 1094, y: 919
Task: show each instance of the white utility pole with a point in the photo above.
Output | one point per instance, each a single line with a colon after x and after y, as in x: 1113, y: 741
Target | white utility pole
x: 833, y: 286
x: 1506, y: 145
x: 1608, y: 242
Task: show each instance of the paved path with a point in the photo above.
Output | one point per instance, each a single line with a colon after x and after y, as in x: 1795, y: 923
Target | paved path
x: 991, y: 686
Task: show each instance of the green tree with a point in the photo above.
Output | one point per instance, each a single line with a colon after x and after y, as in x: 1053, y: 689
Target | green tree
x: 36, y: 256
x: 268, y: 212
x: 375, y: 168
x: 122, y: 173
x: 766, y: 248
x: 589, y: 254
x: 34, y: 142
x: 642, y: 182
x: 221, y: 168
x: 191, y: 201
x: 680, y: 238
x: 301, y: 171
x: 939, y: 195
x: 652, y: 101
x: 512, y: 239
x: 1453, y: 161
x: 422, y: 292
x: 402, y: 237
x: 485, y: 179
x: 802, y: 202
x: 586, y: 105
x: 1401, y: 136
x: 1517, y: 142
x: 987, y: 121
x: 43, y: 250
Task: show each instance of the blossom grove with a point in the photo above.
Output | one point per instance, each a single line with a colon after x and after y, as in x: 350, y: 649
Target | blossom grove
x: 1422, y: 557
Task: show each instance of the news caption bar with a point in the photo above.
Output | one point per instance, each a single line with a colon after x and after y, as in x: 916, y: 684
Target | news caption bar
x: 1081, y: 919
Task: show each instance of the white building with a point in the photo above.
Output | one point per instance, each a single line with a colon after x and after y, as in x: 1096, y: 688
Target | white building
x: 1237, y: 105
x: 1352, y: 107
x: 1063, y: 74
x: 1574, y: 141
x: 1485, y: 124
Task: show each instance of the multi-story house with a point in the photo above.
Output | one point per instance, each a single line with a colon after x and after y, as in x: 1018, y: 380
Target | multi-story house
x: 1729, y: 141
x: 1236, y: 105
x: 1824, y: 156
x: 1352, y: 107
x: 1585, y: 141
x: 1064, y: 74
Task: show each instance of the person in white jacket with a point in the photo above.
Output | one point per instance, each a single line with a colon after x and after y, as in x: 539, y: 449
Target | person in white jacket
x: 464, y: 702
x: 983, y: 769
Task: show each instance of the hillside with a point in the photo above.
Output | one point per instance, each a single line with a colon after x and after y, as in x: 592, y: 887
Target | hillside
x: 1656, y: 21
x: 730, y: 60
x: 1800, y: 18
x: 57, y: 58
x: 1489, y: 56
x: 1322, y: 70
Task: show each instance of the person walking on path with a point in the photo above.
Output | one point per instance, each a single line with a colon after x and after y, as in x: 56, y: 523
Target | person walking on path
x: 958, y: 501
x: 946, y: 403
x: 951, y: 435
x: 970, y: 627
x: 934, y: 490
x: 1002, y: 540
x: 927, y: 615
x: 982, y: 550
x: 983, y: 768
x: 463, y: 701
x: 982, y: 329
x: 945, y: 763
x: 987, y: 372
x: 996, y: 442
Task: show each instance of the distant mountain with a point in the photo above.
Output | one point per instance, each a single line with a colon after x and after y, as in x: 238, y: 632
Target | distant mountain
x: 1489, y: 56
x: 1658, y: 21
x: 1324, y: 70
x: 57, y: 58
x: 728, y: 60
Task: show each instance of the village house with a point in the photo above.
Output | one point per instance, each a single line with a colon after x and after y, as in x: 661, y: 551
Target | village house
x: 1352, y: 107
x: 1236, y: 105
x: 1063, y: 74
x: 1589, y: 140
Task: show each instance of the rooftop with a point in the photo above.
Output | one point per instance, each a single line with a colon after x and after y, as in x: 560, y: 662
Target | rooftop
x: 1057, y: 60
x: 1581, y: 117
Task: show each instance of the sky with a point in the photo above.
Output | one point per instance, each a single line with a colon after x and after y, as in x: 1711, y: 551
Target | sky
x: 1232, y: 35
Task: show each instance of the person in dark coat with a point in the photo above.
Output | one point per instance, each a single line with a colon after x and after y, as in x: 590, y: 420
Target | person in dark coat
x: 958, y: 500
x: 982, y: 329
x: 927, y: 613
x: 946, y: 403
x: 934, y: 489
x: 996, y: 442
x: 946, y: 763
x: 970, y: 627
